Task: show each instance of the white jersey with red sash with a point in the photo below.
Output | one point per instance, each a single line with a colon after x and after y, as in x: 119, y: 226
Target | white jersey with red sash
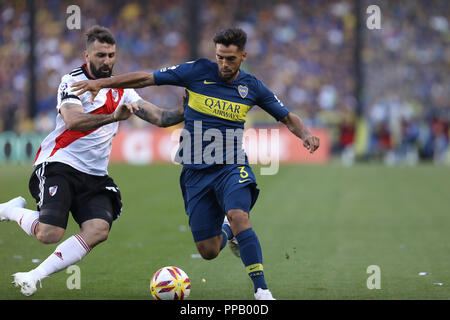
x: 86, y: 151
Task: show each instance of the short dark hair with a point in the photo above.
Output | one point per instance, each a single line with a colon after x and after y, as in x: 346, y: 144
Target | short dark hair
x: 230, y: 36
x: 99, y: 33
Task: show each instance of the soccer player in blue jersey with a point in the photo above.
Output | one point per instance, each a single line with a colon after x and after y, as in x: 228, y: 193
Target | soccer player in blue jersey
x: 219, y: 190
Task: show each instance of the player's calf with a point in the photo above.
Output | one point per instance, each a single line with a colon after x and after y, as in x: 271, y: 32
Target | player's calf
x: 249, y: 247
x: 95, y: 231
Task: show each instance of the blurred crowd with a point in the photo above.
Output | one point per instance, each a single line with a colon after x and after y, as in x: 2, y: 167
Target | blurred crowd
x: 407, y: 81
x: 148, y: 35
x: 303, y: 50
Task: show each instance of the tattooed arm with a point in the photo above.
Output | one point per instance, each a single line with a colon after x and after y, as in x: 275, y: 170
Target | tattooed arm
x: 157, y: 116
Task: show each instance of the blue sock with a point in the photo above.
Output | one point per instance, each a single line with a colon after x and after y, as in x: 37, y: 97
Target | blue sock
x: 226, y: 235
x: 251, y: 255
x: 226, y: 228
x: 224, y: 240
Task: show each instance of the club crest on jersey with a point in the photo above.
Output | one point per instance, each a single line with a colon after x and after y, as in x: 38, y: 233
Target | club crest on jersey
x: 52, y: 190
x: 243, y: 91
x: 115, y: 94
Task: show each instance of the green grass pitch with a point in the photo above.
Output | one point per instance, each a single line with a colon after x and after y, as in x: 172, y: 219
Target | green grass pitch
x: 320, y: 228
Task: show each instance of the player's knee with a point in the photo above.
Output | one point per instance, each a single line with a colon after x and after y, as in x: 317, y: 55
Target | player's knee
x: 209, y: 254
x: 239, y: 220
x: 207, y: 251
x: 95, y: 232
x: 100, y: 235
x: 48, y: 234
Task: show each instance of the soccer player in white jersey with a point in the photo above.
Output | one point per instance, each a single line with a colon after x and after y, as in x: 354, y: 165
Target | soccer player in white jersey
x: 71, y: 165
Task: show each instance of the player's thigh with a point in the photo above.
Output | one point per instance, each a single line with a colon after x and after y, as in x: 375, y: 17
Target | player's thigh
x: 238, y: 205
x: 53, y: 195
x: 205, y: 217
x: 99, y: 207
x: 98, y: 198
x: 238, y: 190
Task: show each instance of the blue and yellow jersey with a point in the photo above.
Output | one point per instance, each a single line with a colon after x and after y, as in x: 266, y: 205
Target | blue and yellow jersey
x: 212, y: 103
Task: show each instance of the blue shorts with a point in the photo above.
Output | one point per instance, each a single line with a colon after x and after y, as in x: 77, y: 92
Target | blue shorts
x: 211, y: 192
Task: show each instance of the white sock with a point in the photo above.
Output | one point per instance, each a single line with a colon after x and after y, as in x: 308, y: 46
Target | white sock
x: 66, y: 254
x: 26, y: 218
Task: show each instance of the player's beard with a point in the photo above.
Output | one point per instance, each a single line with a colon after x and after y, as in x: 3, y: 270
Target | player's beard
x: 228, y: 76
x: 98, y: 73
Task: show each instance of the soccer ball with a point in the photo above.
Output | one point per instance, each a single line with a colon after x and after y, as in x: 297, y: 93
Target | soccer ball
x: 170, y: 283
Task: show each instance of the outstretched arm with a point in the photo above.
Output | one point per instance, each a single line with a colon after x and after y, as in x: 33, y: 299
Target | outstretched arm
x: 157, y: 116
x: 297, y: 127
x: 127, y: 80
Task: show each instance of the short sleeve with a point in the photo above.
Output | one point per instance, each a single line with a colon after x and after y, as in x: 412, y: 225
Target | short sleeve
x: 179, y: 75
x: 65, y: 94
x: 270, y: 103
